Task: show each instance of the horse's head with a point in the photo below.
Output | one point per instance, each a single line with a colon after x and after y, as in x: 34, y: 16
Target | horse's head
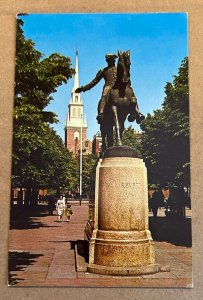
x: 123, y: 68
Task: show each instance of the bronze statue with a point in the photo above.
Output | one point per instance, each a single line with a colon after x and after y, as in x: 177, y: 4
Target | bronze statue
x: 118, y: 99
x: 109, y: 75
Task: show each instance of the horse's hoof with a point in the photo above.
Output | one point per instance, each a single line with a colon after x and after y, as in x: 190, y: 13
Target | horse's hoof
x: 131, y: 118
x: 140, y: 118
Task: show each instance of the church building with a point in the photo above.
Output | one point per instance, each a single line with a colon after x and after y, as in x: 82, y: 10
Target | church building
x: 76, y: 121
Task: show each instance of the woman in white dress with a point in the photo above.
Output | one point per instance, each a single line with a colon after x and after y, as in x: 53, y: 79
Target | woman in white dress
x: 60, y: 207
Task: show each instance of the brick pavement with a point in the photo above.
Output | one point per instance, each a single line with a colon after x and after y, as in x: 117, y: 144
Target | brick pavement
x: 42, y: 253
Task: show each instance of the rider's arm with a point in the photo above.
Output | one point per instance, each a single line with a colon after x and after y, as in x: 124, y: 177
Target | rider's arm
x: 90, y: 85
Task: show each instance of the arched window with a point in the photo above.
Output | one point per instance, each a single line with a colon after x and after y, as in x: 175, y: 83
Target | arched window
x: 76, y: 135
x: 76, y: 99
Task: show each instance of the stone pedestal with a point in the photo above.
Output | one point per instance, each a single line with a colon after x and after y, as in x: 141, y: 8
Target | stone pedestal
x: 121, y: 243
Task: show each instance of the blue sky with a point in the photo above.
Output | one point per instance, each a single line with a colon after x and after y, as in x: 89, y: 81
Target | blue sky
x: 158, y: 42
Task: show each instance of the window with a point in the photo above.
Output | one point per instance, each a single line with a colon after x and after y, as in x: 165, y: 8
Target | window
x: 76, y: 99
x: 86, y: 144
x: 76, y: 135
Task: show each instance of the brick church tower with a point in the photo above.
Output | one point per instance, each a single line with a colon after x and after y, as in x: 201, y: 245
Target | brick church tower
x: 75, y: 118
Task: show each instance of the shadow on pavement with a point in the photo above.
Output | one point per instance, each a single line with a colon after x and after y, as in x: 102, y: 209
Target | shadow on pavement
x: 28, y: 217
x: 82, y: 248
x: 174, y: 230
x: 18, y: 261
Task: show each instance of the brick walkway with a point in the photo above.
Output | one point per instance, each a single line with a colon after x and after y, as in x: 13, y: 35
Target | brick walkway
x: 42, y: 252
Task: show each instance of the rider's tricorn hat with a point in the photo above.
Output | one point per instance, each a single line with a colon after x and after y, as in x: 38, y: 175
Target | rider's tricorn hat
x: 108, y: 56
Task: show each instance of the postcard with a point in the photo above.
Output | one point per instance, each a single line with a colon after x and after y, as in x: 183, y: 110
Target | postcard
x: 100, y: 188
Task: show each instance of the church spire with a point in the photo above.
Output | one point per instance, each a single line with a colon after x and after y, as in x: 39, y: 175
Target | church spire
x: 74, y: 122
x: 76, y: 97
x: 76, y: 76
x: 75, y: 107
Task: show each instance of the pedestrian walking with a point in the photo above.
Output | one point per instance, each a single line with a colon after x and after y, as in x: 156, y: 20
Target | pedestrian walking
x: 68, y: 211
x: 60, y: 207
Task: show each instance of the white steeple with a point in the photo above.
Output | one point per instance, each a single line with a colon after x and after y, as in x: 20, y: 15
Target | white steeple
x: 76, y: 76
x: 75, y: 107
x: 76, y: 97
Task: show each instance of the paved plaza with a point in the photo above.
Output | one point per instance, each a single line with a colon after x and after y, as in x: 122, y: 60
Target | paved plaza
x: 44, y: 252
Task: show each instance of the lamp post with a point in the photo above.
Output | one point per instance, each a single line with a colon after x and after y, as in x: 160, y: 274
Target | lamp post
x: 81, y: 160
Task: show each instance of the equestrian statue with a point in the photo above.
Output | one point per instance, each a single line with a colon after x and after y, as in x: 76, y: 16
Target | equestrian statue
x: 118, y: 100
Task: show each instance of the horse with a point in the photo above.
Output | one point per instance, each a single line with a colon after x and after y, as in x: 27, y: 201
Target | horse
x: 121, y: 102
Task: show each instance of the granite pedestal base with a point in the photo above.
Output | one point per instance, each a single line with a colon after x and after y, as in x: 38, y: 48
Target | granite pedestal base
x: 121, y: 243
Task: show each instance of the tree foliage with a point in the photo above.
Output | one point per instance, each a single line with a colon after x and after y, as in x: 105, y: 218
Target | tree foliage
x: 89, y: 163
x: 89, y: 172
x: 132, y: 139
x: 39, y: 156
x: 165, y: 143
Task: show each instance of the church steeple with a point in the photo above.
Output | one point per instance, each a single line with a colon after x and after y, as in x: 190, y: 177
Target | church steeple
x: 75, y: 116
x: 76, y: 77
x: 76, y: 98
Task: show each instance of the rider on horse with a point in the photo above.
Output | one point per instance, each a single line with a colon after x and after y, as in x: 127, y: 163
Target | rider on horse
x: 109, y: 74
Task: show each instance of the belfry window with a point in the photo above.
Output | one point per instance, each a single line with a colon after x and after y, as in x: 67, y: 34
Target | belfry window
x: 76, y: 135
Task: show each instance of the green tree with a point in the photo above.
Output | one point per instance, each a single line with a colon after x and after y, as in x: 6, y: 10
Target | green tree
x: 132, y: 138
x: 89, y: 172
x: 54, y: 164
x: 165, y: 143
x: 89, y: 163
x: 39, y: 156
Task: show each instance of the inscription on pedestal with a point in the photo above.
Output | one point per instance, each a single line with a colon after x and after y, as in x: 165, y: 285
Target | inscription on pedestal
x: 123, y: 184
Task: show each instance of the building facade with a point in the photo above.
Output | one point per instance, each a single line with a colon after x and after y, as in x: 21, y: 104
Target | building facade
x: 76, y: 121
x: 97, y: 144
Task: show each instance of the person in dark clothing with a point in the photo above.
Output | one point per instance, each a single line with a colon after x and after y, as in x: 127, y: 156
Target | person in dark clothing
x: 179, y: 196
x: 51, y: 204
x: 155, y: 202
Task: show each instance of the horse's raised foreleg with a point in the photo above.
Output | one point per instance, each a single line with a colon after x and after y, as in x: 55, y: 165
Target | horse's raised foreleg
x: 135, y: 104
x: 117, y: 125
x: 135, y: 114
